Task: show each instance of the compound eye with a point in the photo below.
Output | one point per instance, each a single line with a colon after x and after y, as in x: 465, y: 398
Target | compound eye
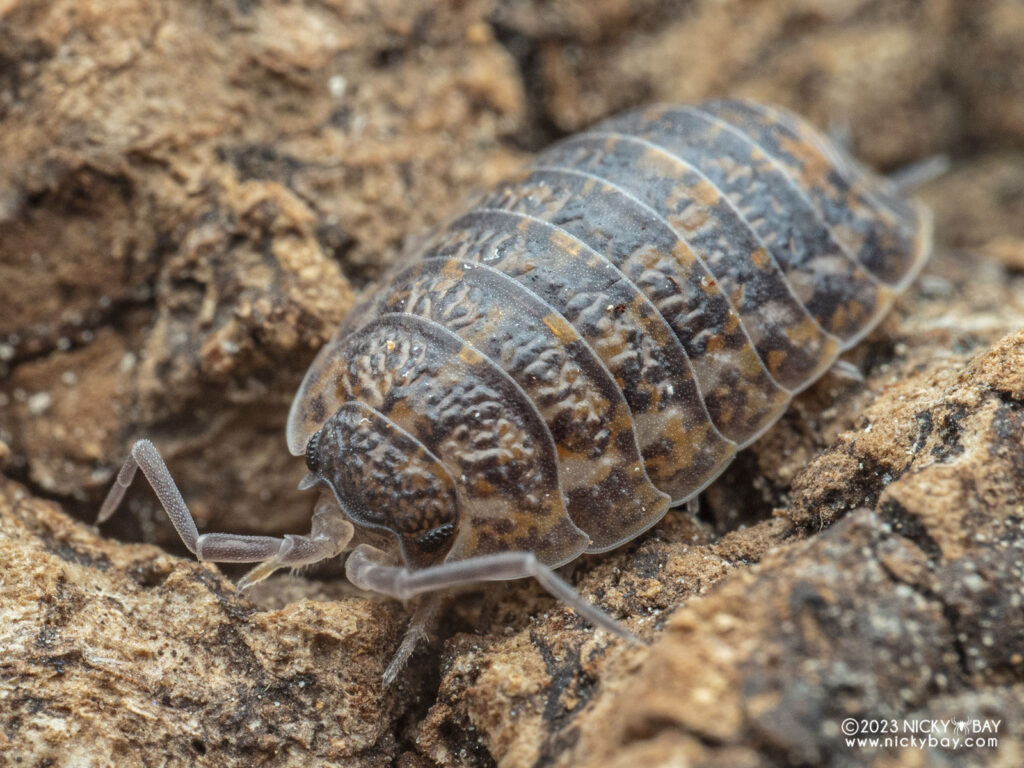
x: 313, y: 463
x: 435, y: 538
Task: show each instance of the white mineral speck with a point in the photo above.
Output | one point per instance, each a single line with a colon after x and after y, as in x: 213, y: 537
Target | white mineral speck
x: 39, y: 403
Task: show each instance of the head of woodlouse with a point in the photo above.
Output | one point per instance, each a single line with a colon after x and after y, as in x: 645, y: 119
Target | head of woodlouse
x: 385, y: 480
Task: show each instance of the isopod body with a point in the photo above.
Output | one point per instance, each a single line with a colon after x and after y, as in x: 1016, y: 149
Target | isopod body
x: 595, y: 340
x: 591, y: 343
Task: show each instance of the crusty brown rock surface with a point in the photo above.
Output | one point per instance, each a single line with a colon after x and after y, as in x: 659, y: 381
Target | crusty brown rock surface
x: 190, y: 196
x: 894, y: 587
x: 122, y: 655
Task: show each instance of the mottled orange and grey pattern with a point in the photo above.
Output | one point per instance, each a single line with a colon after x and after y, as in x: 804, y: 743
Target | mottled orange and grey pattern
x: 594, y: 340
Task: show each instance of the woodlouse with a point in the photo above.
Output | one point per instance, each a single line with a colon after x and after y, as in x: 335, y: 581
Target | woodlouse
x: 590, y: 344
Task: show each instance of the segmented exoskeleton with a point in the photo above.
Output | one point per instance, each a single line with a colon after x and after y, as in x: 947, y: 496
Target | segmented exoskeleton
x: 590, y: 344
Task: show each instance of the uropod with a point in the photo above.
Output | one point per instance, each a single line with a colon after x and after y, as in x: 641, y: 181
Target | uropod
x: 586, y: 347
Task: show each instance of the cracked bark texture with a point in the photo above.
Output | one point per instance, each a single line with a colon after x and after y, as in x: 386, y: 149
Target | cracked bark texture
x: 190, y: 196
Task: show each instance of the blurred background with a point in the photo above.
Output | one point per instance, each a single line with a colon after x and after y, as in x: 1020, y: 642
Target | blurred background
x: 192, y: 193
